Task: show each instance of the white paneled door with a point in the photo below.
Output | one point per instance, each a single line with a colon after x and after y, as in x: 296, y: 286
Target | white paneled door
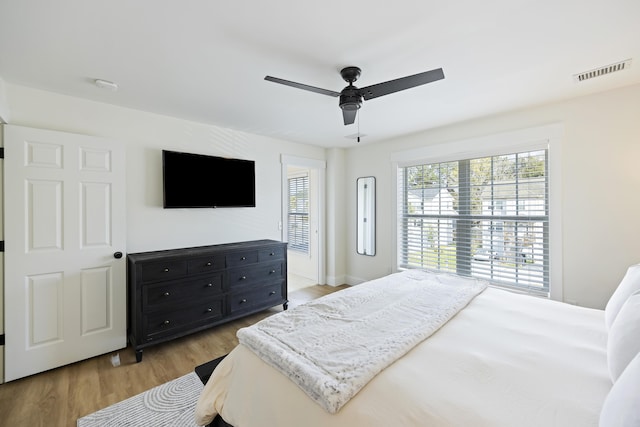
x: 65, y: 284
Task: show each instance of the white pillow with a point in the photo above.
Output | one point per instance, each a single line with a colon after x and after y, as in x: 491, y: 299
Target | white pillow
x: 623, y: 342
x: 629, y: 284
x: 621, y: 408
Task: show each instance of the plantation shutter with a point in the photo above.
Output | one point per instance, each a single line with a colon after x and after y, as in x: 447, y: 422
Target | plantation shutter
x: 298, y: 215
x: 485, y: 217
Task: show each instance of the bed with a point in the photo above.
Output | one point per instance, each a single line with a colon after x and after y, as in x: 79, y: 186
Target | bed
x: 503, y: 359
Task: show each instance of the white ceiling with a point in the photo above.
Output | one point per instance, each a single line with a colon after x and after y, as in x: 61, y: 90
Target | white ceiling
x: 205, y: 60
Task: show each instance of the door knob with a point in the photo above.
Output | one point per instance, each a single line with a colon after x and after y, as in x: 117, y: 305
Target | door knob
x: 117, y: 255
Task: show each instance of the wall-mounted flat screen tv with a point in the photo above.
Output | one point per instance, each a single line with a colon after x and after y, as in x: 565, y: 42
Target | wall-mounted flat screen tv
x: 201, y: 181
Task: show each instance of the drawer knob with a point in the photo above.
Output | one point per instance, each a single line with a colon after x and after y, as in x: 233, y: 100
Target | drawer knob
x: 166, y: 270
x: 209, y: 310
x: 271, y: 254
x: 208, y: 264
x: 243, y: 300
x: 243, y: 258
x: 209, y: 285
x: 243, y: 278
x: 166, y: 294
x: 272, y: 293
x: 166, y: 322
x: 272, y: 271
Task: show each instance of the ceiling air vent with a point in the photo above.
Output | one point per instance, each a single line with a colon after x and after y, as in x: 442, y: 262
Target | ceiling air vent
x: 608, y: 69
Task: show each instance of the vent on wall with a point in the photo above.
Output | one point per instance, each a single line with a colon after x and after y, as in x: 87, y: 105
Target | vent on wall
x: 608, y: 69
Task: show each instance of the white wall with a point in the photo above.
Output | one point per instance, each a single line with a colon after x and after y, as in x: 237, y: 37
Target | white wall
x: 4, y: 104
x: 336, y: 210
x: 600, y: 151
x: 149, y: 226
x: 600, y: 179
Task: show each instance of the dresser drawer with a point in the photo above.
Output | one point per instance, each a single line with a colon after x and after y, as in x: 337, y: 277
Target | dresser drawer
x: 273, y: 253
x: 168, y: 294
x: 165, y: 323
x: 266, y: 296
x: 248, y: 276
x: 154, y: 271
x: 235, y: 259
x: 205, y: 264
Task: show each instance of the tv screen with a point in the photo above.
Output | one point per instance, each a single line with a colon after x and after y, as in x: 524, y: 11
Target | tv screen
x: 201, y: 181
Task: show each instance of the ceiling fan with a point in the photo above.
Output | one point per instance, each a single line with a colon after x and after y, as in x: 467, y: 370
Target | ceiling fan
x: 351, y: 97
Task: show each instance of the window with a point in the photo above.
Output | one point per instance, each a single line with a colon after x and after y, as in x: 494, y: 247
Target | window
x: 485, y: 217
x: 298, y: 216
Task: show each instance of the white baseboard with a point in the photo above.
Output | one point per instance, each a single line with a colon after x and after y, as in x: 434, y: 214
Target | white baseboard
x: 353, y: 281
x: 336, y: 280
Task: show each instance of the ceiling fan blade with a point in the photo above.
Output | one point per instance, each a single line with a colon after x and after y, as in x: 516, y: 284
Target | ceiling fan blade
x: 349, y: 116
x: 303, y: 86
x: 402, y: 83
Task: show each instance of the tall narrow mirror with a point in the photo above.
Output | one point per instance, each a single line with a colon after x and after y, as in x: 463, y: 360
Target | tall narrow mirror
x: 366, y: 216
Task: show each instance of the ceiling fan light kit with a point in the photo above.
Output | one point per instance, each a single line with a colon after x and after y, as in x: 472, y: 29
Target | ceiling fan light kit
x: 351, y: 97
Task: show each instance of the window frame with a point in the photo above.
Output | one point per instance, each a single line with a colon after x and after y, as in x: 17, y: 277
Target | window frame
x: 547, y: 137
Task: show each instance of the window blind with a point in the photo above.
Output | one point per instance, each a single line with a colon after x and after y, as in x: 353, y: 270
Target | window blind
x: 484, y: 217
x: 298, y: 215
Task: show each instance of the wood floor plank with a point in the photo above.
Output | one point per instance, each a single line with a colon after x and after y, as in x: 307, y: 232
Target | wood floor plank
x: 60, y: 396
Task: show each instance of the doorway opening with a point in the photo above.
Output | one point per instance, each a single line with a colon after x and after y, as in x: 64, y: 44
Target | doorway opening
x: 302, y: 220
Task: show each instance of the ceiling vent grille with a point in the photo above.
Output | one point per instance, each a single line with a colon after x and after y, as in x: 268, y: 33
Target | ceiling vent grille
x: 608, y: 69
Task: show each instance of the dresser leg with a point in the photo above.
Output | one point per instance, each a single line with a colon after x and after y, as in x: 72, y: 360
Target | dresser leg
x: 285, y: 305
x: 138, y: 356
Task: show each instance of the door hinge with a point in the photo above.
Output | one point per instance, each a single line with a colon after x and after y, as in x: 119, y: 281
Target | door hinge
x: 2, y: 339
x: 1, y: 152
x: 1, y: 245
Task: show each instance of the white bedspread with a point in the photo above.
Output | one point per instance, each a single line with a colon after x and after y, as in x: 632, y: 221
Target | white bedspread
x: 334, y: 346
x: 505, y: 360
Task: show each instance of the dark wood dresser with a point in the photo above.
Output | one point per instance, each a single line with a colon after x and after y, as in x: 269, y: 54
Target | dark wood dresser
x: 176, y: 292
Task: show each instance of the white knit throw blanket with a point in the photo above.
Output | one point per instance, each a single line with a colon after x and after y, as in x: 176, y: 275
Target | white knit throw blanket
x: 333, y: 346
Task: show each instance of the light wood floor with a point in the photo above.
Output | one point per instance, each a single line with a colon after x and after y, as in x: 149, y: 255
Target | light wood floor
x: 60, y: 396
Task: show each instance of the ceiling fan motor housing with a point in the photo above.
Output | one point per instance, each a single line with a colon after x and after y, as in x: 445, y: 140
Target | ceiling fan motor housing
x: 350, y: 98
